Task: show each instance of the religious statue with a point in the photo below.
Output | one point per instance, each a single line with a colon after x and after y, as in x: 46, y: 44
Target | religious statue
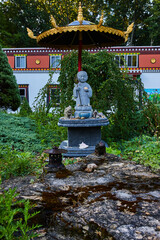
x: 82, y: 93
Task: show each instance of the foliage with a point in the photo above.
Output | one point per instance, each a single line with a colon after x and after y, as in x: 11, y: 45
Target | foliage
x: 121, y: 13
x: 144, y: 150
x: 46, y: 117
x: 155, y: 98
x: 11, y: 226
x: 15, y: 163
x: 149, y: 119
x: 25, y: 109
x: 19, y: 132
x: 113, y: 151
x: 47, y: 128
x: 17, y: 16
x: 9, y: 93
x: 153, y: 23
x: 113, y: 92
x: 68, y: 161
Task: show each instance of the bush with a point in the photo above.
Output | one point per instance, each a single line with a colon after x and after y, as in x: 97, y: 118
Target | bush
x: 11, y: 226
x: 47, y: 128
x: 9, y: 92
x: 155, y: 98
x: 149, y: 119
x: 144, y: 150
x: 14, y: 163
x: 25, y: 109
x: 19, y: 132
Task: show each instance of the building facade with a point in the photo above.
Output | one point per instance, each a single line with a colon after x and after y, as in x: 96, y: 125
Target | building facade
x: 32, y: 66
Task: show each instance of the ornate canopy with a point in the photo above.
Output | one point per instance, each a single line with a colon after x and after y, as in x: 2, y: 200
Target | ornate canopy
x: 92, y: 35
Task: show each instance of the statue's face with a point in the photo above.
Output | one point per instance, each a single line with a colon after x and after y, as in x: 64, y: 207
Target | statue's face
x: 82, y: 76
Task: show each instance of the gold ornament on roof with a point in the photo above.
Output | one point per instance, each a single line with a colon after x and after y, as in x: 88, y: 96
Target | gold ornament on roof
x: 129, y: 30
x: 53, y: 22
x: 80, y: 14
x: 31, y: 34
x: 101, y: 20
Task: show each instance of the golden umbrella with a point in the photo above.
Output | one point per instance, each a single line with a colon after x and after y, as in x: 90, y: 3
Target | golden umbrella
x: 81, y: 34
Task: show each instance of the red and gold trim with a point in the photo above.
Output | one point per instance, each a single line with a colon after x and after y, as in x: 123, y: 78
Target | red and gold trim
x: 128, y: 53
x: 23, y: 85
x: 55, y: 54
x: 136, y: 69
x: 35, y: 69
x: 20, y: 55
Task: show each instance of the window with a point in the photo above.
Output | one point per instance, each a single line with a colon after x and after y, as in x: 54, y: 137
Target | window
x: 126, y: 60
x: 20, y: 61
x: 55, y: 61
x: 132, y: 61
x: 23, y: 90
x: 53, y: 94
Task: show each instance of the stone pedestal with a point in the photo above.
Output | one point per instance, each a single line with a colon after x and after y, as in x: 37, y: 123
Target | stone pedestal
x: 87, y: 131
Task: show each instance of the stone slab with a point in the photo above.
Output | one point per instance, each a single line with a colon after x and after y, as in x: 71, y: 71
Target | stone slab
x: 76, y: 151
x: 91, y: 122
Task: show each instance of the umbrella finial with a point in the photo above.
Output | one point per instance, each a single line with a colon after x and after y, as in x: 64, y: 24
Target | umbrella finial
x: 80, y: 14
x: 101, y: 20
x: 31, y: 34
x: 53, y: 22
x: 129, y: 30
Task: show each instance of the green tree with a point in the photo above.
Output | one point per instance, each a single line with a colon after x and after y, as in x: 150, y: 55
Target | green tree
x: 17, y: 16
x: 153, y: 23
x: 9, y: 93
x: 121, y: 13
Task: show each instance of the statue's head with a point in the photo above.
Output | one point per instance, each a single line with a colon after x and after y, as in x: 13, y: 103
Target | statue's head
x: 82, y: 76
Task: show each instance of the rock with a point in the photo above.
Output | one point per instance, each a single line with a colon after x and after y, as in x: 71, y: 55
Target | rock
x: 91, y: 167
x: 124, y: 195
x: 99, y: 159
x: 92, y: 158
x: 155, y: 194
x: 120, y: 200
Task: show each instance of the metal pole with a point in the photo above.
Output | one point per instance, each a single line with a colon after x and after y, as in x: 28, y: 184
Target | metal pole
x: 80, y: 52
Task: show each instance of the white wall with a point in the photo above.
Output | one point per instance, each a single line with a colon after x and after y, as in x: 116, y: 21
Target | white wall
x: 151, y: 80
x: 36, y: 81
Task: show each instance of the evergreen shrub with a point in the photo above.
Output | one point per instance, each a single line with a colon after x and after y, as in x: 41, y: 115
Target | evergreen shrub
x: 25, y: 109
x: 9, y: 92
x: 19, y: 132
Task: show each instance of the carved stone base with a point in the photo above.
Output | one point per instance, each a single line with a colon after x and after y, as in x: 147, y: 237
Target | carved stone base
x: 87, y: 131
x: 76, y: 151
